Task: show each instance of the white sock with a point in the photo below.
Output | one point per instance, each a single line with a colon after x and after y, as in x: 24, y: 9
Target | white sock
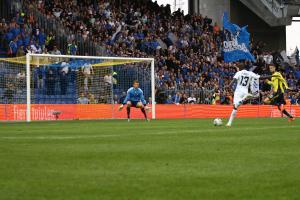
x: 232, y: 116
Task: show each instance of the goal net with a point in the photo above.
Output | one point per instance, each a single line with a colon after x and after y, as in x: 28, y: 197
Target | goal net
x: 50, y: 87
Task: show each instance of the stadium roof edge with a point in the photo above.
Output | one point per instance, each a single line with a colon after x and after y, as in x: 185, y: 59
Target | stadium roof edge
x: 274, y: 13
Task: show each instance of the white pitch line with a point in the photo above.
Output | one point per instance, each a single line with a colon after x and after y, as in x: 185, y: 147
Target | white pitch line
x: 217, y: 129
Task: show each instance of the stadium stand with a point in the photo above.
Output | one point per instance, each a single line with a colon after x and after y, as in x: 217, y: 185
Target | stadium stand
x: 187, y: 49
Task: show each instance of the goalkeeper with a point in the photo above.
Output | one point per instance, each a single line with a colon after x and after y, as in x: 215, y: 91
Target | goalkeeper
x: 135, y: 98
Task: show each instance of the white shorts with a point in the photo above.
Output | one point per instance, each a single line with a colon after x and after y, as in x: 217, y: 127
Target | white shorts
x: 239, y: 97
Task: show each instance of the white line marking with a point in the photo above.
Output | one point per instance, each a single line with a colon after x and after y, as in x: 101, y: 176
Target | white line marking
x: 217, y: 129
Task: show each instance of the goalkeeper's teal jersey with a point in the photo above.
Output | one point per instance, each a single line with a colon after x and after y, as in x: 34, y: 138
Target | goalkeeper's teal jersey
x: 135, y: 95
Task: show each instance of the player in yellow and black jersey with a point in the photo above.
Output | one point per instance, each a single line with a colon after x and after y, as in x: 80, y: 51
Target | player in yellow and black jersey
x: 279, y: 86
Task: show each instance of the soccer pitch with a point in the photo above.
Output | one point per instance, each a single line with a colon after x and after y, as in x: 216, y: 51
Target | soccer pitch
x: 160, y: 160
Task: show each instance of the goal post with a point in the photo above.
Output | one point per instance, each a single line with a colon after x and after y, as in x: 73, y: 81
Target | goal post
x: 28, y: 93
x: 70, y: 87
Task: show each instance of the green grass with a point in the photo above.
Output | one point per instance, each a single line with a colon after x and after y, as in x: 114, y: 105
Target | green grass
x: 160, y: 160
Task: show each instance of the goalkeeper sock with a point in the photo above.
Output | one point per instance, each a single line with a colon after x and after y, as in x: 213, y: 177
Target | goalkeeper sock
x: 144, y: 112
x: 128, y: 112
x: 232, y: 116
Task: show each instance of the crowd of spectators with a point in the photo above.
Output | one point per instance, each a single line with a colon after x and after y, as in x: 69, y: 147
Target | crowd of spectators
x: 187, y: 49
x: 21, y: 35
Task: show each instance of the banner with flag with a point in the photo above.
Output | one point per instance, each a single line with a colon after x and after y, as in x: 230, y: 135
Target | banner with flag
x: 236, y: 42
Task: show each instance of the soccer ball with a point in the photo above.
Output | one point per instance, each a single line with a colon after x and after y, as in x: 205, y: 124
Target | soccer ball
x: 218, y: 122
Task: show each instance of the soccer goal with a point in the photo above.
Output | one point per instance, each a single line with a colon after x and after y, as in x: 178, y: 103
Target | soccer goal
x: 65, y: 87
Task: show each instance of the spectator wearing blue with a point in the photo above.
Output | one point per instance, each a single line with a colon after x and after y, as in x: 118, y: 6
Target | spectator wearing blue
x: 26, y: 39
x: 177, y: 98
x: 16, y: 30
x: 41, y: 38
x: 20, y: 42
x: 169, y: 100
x: 297, y: 73
x: 9, y: 36
x: 13, y: 47
x: 20, y: 18
x: 72, y: 48
x: 293, y: 99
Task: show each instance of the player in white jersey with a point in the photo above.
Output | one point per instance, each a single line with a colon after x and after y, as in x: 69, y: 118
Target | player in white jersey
x: 245, y: 80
